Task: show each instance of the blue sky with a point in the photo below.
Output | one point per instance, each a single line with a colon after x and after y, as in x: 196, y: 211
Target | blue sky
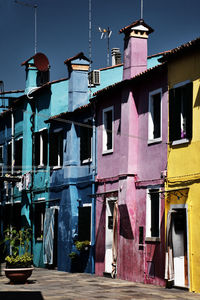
x: 63, y: 31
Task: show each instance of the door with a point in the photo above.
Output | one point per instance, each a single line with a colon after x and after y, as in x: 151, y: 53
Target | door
x: 109, y: 235
x: 179, y: 242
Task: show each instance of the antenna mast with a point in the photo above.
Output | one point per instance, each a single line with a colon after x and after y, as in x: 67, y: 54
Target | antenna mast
x: 35, y: 19
x: 90, y: 42
x: 141, y: 9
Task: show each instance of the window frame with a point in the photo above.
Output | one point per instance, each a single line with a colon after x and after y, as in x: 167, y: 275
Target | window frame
x: 105, y: 149
x: 182, y: 140
x: 60, y: 155
x: 42, y: 159
x: 89, y: 159
x: 148, y: 233
x: 17, y: 168
x: 1, y: 159
x: 83, y: 206
x: 42, y: 203
x: 151, y: 120
x: 1, y: 154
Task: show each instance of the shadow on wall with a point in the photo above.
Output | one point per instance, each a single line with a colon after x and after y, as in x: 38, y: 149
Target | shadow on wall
x: 100, y: 235
x: 125, y: 224
x: 156, y: 267
x: 21, y: 295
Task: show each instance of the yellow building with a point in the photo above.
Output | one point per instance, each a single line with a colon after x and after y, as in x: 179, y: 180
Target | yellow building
x: 183, y: 171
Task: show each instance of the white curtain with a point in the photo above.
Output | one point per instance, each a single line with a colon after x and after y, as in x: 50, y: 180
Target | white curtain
x: 48, y: 235
x: 169, y: 258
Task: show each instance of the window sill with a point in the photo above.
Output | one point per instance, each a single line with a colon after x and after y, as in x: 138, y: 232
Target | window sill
x: 57, y: 167
x: 180, y: 142
x: 41, y: 167
x: 152, y: 240
x: 86, y: 161
x: 39, y: 239
x: 155, y: 141
x: 107, y: 152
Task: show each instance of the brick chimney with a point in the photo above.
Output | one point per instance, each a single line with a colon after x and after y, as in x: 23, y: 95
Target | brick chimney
x: 135, y: 48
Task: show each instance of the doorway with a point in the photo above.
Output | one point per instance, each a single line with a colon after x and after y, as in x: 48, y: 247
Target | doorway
x: 180, y: 248
x: 111, y: 232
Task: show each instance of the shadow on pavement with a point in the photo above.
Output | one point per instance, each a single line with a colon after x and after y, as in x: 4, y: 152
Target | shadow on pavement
x: 21, y: 296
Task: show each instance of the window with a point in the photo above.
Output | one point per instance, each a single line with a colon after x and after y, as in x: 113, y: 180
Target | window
x: 1, y: 154
x: 180, y: 112
x: 154, y: 128
x: 84, y: 223
x: 9, y: 157
x: 86, y: 142
x: 18, y: 155
x: 153, y: 213
x: 12, y: 216
x: 108, y: 130
x: 41, y: 143
x: 39, y: 220
x: 1, y: 160
x: 56, y: 149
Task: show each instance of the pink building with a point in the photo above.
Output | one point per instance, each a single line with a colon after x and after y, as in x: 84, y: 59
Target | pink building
x: 131, y: 163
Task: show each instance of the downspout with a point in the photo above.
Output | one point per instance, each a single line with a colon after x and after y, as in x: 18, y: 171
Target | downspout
x: 12, y: 167
x: 32, y: 120
x: 93, y: 189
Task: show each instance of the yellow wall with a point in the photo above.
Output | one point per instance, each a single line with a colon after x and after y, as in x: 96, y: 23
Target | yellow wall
x: 184, y: 163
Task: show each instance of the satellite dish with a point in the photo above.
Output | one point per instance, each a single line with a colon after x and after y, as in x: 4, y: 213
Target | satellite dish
x: 41, y: 62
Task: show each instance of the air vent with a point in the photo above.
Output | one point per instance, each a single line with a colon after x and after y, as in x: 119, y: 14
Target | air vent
x: 94, y: 77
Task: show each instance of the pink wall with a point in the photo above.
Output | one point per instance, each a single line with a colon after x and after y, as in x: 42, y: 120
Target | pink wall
x: 131, y: 168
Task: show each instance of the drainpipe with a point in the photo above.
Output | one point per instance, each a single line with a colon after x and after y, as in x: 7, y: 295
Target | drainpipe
x: 93, y: 190
x: 32, y: 120
x: 12, y: 167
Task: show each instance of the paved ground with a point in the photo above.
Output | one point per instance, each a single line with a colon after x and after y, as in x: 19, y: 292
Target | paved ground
x: 47, y: 284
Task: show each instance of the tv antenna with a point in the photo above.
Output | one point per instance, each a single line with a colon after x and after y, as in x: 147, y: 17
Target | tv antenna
x: 142, y: 8
x: 35, y: 6
x: 106, y: 33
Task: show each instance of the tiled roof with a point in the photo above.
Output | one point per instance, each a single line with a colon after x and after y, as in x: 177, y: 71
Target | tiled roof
x: 11, y: 92
x: 194, y: 44
x: 69, y: 113
x: 111, y: 67
x: 136, y: 23
x: 126, y: 82
x: 79, y: 55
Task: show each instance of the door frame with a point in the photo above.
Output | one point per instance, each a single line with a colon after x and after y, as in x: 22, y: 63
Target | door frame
x: 184, y: 206
x: 108, y: 199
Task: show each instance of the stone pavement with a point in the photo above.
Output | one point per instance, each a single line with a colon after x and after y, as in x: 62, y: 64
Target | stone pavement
x: 51, y: 284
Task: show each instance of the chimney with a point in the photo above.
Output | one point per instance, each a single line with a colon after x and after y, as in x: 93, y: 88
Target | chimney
x: 78, y: 67
x: 135, y: 48
x: 37, y: 71
x: 116, y: 56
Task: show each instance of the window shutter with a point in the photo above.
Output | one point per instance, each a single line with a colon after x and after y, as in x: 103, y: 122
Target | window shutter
x: 171, y: 115
x: 188, y: 95
x: 45, y: 145
x: 37, y: 149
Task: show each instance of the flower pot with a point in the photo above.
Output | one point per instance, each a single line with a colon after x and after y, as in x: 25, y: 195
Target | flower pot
x: 18, y: 275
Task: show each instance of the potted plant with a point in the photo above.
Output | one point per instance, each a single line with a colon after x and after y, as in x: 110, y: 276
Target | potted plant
x: 79, y: 259
x: 19, y: 263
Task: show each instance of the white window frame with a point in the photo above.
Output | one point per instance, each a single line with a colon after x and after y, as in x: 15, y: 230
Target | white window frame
x: 41, y: 146
x: 149, y: 237
x: 151, y: 139
x: 89, y: 205
x: 59, y: 131
x: 89, y: 159
x: 105, y: 150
